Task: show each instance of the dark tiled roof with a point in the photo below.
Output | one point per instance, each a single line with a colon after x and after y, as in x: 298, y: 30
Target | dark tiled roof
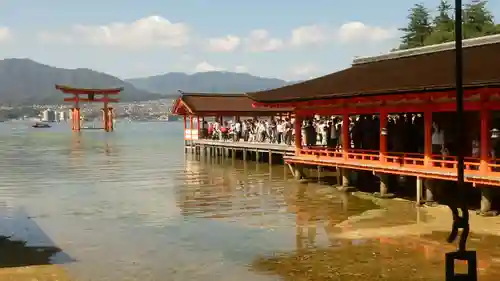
x: 207, y: 102
x: 417, y: 73
x: 68, y: 89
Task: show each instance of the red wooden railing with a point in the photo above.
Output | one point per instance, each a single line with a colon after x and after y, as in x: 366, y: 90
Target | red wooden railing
x: 401, y: 159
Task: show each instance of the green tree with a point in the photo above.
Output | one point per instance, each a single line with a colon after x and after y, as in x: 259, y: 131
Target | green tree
x: 443, y: 25
x: 478, y: 20
x: 418, y: 29
x: 443, y: 21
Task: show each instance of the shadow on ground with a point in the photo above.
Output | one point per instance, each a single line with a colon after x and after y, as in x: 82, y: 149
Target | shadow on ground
x: 17, y: 253
x: 24, y: 243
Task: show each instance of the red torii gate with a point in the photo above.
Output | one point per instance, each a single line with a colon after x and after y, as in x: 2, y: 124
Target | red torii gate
x: 90, y: 95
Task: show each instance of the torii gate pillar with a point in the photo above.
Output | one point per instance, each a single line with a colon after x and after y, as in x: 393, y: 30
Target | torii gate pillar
x: 91, y: 95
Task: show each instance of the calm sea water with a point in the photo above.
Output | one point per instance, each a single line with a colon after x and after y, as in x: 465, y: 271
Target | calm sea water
x: 130, y: 205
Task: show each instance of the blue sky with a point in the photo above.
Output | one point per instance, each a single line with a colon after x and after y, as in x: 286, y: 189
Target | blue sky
x: 128, y: 38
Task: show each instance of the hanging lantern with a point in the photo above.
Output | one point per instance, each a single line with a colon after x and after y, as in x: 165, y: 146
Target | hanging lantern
x: 495, y: 133
x: 383, y: 132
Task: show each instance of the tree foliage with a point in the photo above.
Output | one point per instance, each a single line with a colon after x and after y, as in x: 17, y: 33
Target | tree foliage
x: 418, y: 29
x: 423, y: 29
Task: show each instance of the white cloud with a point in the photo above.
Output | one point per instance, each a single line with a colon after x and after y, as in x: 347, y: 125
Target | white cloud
x: 206, y: 67
x: 260, y: 41
x: 147, y: 32
x: 241, y: 69
x: 186, y: 58
x: 224, y: 44
x: 48, y: 37
x: 304, y: 71
x: 309, y: 35
x: 357, y: 32
x: 5, y: 34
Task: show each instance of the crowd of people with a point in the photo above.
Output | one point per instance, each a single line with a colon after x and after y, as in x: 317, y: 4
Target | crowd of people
x: 405, y: 133
x: 251, y: 130
x: 316, y: 131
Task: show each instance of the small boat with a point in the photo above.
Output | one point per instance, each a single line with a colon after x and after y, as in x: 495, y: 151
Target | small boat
x: 41, y: 125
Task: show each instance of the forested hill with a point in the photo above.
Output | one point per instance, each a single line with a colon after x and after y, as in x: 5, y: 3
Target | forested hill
x: 23, y: 81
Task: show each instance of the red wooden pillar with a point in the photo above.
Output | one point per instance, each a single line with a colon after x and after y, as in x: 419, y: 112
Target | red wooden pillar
x: 383, y: 135
x: 72, y: 119
x: 77, y: 120
x: 105, y: 115
x: 428, y: 138
x: 298, y: 134
x: 185, y: 127
x: 191, y: 127
x: 346, y: 142
x: 111, y: 119
x: 76, y: 115
x: 485, y: 115
x: 198, y: 127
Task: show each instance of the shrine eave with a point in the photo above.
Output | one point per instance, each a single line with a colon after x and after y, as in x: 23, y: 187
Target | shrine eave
x: 72, y: 90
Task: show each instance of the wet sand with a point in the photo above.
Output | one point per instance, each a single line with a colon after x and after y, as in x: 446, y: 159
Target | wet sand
x: 131, y: 206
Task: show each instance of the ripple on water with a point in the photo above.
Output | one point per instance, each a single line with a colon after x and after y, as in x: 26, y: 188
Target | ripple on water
x: 131, y: 206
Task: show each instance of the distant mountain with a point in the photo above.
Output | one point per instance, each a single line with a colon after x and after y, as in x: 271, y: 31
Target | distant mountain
x: 211, y: 82
x: 23, y: 81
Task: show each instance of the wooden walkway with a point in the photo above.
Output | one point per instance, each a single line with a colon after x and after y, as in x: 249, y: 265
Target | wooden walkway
x: 241, y: 145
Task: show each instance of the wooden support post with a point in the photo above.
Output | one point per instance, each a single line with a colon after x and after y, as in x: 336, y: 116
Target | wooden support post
x: 257, y: 156
x: 429, y: 187
x: 270, y: 156
x: 485, y: 139
x: 383, y: 136
x: 419, y: 190
x: 428, y: 138
x: 298, y: 172
x: 338, y: 176
x: 384, y: 187
x: 245, y: 152
x: 319, y: 173
x: 486, y: 201
x: 345, y: 183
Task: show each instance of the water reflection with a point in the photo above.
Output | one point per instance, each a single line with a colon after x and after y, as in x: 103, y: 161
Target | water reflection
x: 378, y: 259
x: 132, y: 205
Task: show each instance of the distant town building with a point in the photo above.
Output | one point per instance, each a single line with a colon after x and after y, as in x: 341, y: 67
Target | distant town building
x: 49, y: 115
x: 63, y: 115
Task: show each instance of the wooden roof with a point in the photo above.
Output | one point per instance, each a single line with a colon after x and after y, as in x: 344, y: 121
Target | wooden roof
x: 219, y: 104
x: 419, y: 70
x: 72, y: 90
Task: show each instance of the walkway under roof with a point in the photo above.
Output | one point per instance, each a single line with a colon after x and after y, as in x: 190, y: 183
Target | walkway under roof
x: 420, y: 70
x: 211, y: 104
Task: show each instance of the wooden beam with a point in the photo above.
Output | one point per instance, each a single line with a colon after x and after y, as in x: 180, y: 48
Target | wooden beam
x: 378, y: 98
x: 434, y: 107
x: 85, y: 91
x: 93, y: 100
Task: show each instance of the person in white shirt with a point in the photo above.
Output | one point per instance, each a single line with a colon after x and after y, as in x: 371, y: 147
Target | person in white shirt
x: 237, y: 131
x: 280, y: 128
x: 438, y: 141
